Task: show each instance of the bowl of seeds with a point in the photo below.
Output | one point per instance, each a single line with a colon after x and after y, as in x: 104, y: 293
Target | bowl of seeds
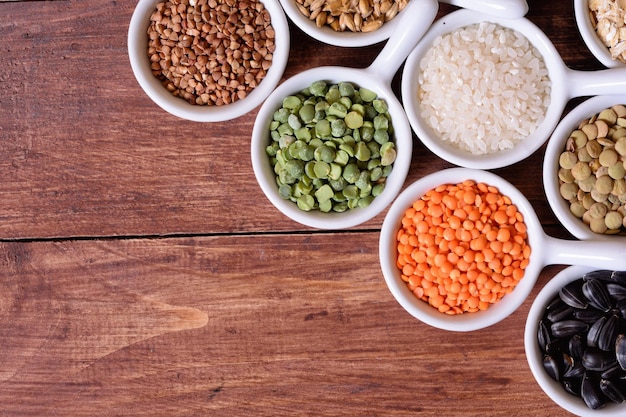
x: 575, y: 342
x: 584, y: 169
x: 602, y: 25
x: 345, y: 23
x: 355, y: 23
x: 208, y: 60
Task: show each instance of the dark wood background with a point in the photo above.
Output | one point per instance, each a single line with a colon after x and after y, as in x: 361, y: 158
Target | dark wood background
x: 144, y: 273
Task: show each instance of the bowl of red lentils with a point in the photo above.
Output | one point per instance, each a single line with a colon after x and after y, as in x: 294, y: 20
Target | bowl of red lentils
x: 601, y: 24
x: 584, y: 171
x: 208, y: 60
x: 455, y: 249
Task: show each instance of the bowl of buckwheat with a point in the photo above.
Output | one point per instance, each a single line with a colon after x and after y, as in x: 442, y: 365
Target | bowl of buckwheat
x: 208, y: 61
x: 602, y: 25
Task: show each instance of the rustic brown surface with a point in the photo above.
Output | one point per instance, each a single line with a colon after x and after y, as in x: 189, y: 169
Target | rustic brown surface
x: 144, y: 273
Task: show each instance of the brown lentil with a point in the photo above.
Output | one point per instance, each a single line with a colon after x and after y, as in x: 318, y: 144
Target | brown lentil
x: 351, y: 15
x: 210, y: 52
x: 592, y: 171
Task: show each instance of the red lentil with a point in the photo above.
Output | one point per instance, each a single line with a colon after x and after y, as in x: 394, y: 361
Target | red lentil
x: 462, y: 247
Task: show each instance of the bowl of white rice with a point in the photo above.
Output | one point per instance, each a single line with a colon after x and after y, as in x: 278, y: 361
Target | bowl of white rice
x: 486, y: 92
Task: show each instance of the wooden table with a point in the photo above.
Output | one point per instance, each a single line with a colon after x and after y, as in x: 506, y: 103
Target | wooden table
x: 144, y: 273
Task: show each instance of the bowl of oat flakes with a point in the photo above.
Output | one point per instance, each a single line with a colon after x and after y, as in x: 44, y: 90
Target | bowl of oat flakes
x: 208, y: 60
x: 355, y: 23
x: 602, y: 25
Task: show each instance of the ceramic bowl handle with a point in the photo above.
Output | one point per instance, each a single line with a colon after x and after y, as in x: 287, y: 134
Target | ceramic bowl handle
x: 510, y: 9
x: 595, y: 83
x: 591, y: 253
x: 416, y: 19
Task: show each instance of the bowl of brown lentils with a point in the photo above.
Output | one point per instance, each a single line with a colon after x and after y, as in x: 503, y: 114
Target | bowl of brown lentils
x: 208, y: 60
x: 584, y: 169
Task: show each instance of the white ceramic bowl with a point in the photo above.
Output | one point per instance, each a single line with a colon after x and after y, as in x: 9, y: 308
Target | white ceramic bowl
x: 505, y: 8
x: 378, y: 78
x: 553, y: 389
x: 565, y: 84
x: 546, y: 250
x: 137, y: 52
x: 556, y: 145
x: 591, y: 38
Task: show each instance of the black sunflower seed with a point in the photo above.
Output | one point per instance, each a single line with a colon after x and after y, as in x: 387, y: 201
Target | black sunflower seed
x: 567, y: 328
x: 617, y: 291
x: 598, y: 360
x: 576, y: 371
x: 589, y: 315
x: 544, y: 338
x: 601, y: 274
x: 614, y: 372
x: 608, y: 333
x: 612, y: 391
x: 572, y: 295
x: 597, y: 294
x: 590, y: 394
x: 560, y: 312
x: 552, y: 366
x: 594, y: 332
x: 576, y: 346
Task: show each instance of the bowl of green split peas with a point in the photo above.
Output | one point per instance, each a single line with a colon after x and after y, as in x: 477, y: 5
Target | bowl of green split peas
x: 326, y: 153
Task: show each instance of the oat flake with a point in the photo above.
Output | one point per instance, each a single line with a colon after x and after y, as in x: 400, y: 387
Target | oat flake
x: 609, y: 20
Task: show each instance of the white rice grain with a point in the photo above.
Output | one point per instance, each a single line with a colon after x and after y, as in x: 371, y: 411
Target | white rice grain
x: 483, y: 87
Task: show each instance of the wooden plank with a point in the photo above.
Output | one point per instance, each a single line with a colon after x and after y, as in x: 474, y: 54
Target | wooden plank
x: 231, y: 326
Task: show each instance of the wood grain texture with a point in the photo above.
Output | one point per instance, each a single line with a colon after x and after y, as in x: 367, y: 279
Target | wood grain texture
x: 144, y: 273
x: 184, y: 327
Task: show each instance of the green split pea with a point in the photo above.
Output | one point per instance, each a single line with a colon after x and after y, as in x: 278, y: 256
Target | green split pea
x: 331, y: 147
